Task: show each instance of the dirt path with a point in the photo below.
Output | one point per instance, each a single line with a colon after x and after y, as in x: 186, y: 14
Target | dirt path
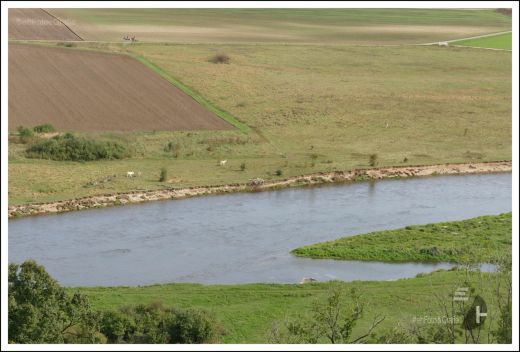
x: 107, y: 200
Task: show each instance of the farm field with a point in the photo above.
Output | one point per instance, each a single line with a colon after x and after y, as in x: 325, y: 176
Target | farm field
x: 37, y: 24
x: 501, y: 41
x: 486, y: 238
x: 90, y: 91
x: 311, y: 108
x: 332, y: 26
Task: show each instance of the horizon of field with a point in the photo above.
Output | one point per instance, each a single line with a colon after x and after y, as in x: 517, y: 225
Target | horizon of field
x: 333, y: 26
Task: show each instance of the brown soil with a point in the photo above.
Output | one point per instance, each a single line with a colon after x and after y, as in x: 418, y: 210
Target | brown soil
x: 90, y: 91
x: 32, y: 24
x: 312, y: 179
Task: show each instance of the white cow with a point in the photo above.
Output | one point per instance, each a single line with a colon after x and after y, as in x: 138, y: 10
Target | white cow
x: 222, y: 162
x: 130, y: 174
x: 443, y: 44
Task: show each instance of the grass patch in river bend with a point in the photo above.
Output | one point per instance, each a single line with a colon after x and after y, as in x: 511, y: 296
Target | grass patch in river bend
x: 480, y: 239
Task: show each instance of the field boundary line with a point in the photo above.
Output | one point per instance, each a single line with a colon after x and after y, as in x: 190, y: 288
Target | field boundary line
x: 63, y: 23
x: 468, y: 38
x: 479, y: 47
x: 199, y: 98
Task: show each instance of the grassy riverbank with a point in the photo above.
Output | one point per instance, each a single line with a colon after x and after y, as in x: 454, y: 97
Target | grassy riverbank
x: 481, y: 239
x: 248, y: 312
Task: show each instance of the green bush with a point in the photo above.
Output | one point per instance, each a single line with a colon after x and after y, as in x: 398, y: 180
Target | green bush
x: 220, y: 59
x: 154, y: 324
x: 279, y: 172
x: 373, y: 160
x: 25, y: 134
x: 71, y: 148
x: 242, y: 166
x: 45, y: 128
x: 164, y: 175
x: 192, y: 326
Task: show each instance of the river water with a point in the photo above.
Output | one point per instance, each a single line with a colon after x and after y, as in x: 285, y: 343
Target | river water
x: 247, y: 237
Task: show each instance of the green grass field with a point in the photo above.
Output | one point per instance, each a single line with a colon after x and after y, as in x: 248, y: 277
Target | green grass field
x: 333, y: 26
x: 481, y: 239
x: 249, y: 311
x: 310, y: 108
x: 501, y: 41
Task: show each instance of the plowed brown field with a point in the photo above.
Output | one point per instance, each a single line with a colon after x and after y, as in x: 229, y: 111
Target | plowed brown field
x: 92, y: 91
x: 30, y: 24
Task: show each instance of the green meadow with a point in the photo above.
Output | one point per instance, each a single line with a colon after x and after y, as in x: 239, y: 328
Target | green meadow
x: 481, y: 239
x: 501, y: 41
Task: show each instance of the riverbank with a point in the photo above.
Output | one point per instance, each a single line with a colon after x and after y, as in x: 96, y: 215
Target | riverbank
x: 249, y: 312
x: 114, y: 199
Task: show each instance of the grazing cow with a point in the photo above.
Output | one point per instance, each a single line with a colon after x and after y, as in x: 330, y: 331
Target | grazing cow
x: 222, y: 162
x: 130, y: 174
x: 307, y: 280
x: 443, y: 44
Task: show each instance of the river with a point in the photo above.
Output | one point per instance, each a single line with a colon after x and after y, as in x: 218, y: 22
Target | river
x: 247, y: 237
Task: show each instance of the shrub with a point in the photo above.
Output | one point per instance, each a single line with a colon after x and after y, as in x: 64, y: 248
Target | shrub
x: 24, y: 131
x: 279, y: 172
x: 172, y: 147
x: 66, y: 44
x: 373, y: 160
x: 192, y: 326
x: 164, y: 175
x: 220, y: 59
x: 45, y: 128
x: 242, y: 166
x: 71, y: 148
x: 155, y: 324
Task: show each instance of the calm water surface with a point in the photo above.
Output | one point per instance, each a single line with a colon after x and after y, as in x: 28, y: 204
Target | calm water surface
x: 247, y: 237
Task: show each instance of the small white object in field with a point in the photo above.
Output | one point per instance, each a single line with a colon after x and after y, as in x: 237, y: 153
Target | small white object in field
x: 130, y: 174
x: 443, y: 44
x: 223, y: 162
x: 256, y: 182
x: 307, y: 280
